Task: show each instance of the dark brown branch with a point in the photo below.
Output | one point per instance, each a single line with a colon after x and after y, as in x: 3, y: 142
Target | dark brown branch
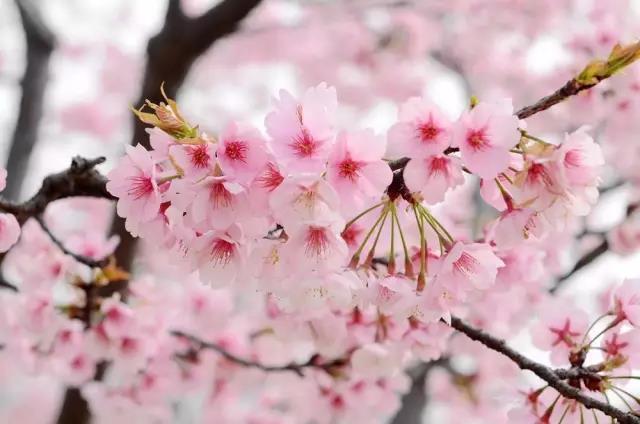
x: 297, y: 368
x: 90, y: 262
x: 80, y: 179
x: 547, y: 374
x: 170, y: 55
x: 571, y: 88
x: 40, y: 43
x: 415, y: 400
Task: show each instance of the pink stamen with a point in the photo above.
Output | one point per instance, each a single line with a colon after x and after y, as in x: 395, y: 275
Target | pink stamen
x: 141, y: 186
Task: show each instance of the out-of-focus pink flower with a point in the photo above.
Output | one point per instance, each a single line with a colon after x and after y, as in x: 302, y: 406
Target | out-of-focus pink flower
x: 625, y: 238
x: 625, y: 301
x: 579, y: 159
x: 375, y: 361
x: 517, y: 226
x: 9, y: 231
x: 560, y: 330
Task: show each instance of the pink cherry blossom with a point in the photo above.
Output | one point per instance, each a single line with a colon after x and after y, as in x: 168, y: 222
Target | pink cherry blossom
x: 625, y: 301
x: 302, y: 131
x: 356, y: 169
x: 217, y: 202
x: 422, y: 130
x: 316, y: 246
x: 304, y: 197
x: 133, y: 181
x: 561, y: 329
x: 196, y: 161
x: 517, y: 226
x: 241, y: 152
x: 485, y: 134
x: 219, y: 256
x: 433, y: 176
x: 579, y: 159
x: 470, y: 266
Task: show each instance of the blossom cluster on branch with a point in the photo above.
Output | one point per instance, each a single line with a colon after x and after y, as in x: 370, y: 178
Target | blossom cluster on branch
x: 317, y: 264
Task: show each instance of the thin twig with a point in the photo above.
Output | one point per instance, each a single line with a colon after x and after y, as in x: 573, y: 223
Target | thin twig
x: 80, y: 179
x: 297, y: 368
x: 90, y: 262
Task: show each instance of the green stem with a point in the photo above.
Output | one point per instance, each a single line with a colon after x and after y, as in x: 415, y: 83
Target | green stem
x: 360, y: 215
x: 368, y: 236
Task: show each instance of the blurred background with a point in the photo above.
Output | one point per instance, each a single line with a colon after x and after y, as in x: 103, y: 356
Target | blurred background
x: 70, y: 70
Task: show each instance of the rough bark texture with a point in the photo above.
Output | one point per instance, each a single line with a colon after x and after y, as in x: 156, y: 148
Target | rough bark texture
x: 40, y: 43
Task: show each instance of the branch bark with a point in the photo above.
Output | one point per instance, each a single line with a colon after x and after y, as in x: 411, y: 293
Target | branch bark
x: 80, y: 179
x: 40, y: 43
x: 552, y: 377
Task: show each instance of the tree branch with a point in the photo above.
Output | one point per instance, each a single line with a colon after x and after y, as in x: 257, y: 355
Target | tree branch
x: 585, y: 260
x: 80, y: 179
x: 553, y: 377
x: 297, y: 368
x: 90, y: 262
x: 571, y: 88
x: 40, y: 43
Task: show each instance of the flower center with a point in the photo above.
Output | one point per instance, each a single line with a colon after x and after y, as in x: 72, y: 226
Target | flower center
x: 141, y: 186
x: 221, y: 252
x: 477, y: 139
x: 349, y: 168
x: 428, y: 131
x: 199, y: 156
x: 270, y: 178
x: 220, y: 196
x: 316, y: 242
x: 466, y: 265
x: 236, y: 150
x: 564, y: 334
x: 438, y: 166
x: 304, y: 145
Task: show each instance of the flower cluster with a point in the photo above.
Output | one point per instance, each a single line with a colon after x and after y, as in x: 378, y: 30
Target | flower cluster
x: 308, y: 250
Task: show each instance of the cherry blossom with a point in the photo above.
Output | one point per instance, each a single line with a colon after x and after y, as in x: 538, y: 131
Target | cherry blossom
x: 134, y: 181
x: 303, y: 131
x: 241, y: 152
x: 433, y: 176
x: 485, y: 135
x: 356, y: 169
x: 422, y: 130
